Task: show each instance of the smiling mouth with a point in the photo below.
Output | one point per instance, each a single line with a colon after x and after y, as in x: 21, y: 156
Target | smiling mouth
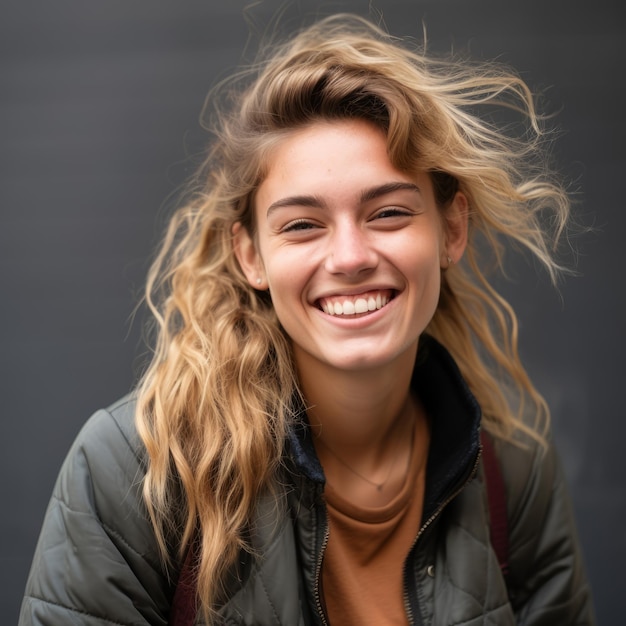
x: 360, y: 304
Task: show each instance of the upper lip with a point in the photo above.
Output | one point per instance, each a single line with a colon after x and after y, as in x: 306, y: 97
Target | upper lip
x: 353, y: 291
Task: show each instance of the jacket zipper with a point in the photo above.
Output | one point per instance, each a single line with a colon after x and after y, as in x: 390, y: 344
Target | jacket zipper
x: 318, y: 568
x: 423, y: 529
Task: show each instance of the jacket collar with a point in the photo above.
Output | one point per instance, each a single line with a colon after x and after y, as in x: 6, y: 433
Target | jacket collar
x: 455, y: 425
x: 454, y: 418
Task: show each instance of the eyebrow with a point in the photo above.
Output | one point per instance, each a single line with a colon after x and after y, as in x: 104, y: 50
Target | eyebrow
x: 387, y: 188
x: 366, y: 196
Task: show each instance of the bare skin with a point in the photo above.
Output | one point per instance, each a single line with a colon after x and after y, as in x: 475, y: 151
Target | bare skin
x: 374, y: 435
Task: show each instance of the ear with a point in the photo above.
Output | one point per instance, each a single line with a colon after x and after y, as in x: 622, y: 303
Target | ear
x: 249, y: 259
x: 456, y: 224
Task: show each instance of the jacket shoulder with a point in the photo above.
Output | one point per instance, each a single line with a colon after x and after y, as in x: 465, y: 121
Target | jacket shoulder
x: 106, y: 460
x: 97, y: 558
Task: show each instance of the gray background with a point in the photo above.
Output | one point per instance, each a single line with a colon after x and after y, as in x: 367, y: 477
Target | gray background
x: 99, y: 106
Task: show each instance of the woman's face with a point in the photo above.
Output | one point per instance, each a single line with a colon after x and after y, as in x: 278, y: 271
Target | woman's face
x: 350, y: 248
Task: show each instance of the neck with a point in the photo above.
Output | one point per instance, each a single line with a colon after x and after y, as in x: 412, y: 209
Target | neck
x: 364, y: 424
x: 357, y: 412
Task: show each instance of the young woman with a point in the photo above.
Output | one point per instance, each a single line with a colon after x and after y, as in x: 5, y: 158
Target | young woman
x: 305, y: 447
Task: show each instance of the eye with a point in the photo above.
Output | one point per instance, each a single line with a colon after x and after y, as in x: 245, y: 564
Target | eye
x: 298, y: 225
x: 392, y: 212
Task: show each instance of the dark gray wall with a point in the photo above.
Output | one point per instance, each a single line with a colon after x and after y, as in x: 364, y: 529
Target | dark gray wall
x: 99, y: 105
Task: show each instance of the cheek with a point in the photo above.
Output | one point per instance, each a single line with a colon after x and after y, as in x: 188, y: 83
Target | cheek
x: 288, y: 267
x: 420, y: 254
x: 284, y: 274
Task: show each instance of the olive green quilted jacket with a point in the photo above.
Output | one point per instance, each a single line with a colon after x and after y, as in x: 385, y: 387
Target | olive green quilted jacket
x: 97, y: 561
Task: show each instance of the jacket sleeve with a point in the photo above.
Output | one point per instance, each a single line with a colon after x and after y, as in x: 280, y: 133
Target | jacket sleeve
x: 547, y: 582
x: 96, y: 561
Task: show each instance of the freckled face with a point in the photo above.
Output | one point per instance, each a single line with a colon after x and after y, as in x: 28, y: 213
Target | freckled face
x: 350, y: 248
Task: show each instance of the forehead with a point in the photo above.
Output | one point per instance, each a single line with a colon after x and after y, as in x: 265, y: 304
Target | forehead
x: 334, y: 158
x: 325, y: 135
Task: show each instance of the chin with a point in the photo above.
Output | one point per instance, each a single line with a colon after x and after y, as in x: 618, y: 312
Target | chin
x: 362, y: 361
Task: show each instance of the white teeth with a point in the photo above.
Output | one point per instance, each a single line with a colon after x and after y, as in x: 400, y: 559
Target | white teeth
x: 361, y: 306
x: 358, y: 306
x: 348, y: 308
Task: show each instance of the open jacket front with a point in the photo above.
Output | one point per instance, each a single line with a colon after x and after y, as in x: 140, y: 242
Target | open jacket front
x: 97, y: 560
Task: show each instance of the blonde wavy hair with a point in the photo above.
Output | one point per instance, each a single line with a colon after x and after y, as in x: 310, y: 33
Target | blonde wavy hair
x: 215, y: 403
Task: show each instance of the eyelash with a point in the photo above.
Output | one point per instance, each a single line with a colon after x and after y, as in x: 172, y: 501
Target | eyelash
x: 392, y: 212
x: 304, y: 224
x: 297, y: 225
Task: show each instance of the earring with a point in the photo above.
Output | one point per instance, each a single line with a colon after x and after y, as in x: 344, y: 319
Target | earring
x: 450, y: 261
x: 258, y: 281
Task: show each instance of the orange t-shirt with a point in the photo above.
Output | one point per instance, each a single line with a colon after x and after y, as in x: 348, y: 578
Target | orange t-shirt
x: 364, y: 560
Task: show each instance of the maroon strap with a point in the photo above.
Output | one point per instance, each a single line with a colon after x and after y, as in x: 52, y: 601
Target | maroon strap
x: 185, y: 603
x: 496, y: 494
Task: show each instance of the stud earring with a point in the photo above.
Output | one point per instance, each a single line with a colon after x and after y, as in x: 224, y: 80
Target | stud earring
x: 258, y: 281
x: 450, y: 261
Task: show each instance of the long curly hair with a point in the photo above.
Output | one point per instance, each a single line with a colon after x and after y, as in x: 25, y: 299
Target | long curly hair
x: 215, y: 403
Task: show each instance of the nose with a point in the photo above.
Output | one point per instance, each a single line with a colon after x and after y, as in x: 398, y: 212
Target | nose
x: 351, y: 252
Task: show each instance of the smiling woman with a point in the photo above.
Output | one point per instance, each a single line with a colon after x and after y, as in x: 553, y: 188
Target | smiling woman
x: 338, y: 226
x: 305, y: 447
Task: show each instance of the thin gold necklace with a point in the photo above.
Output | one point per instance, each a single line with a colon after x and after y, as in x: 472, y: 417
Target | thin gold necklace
x: 378, y: 485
